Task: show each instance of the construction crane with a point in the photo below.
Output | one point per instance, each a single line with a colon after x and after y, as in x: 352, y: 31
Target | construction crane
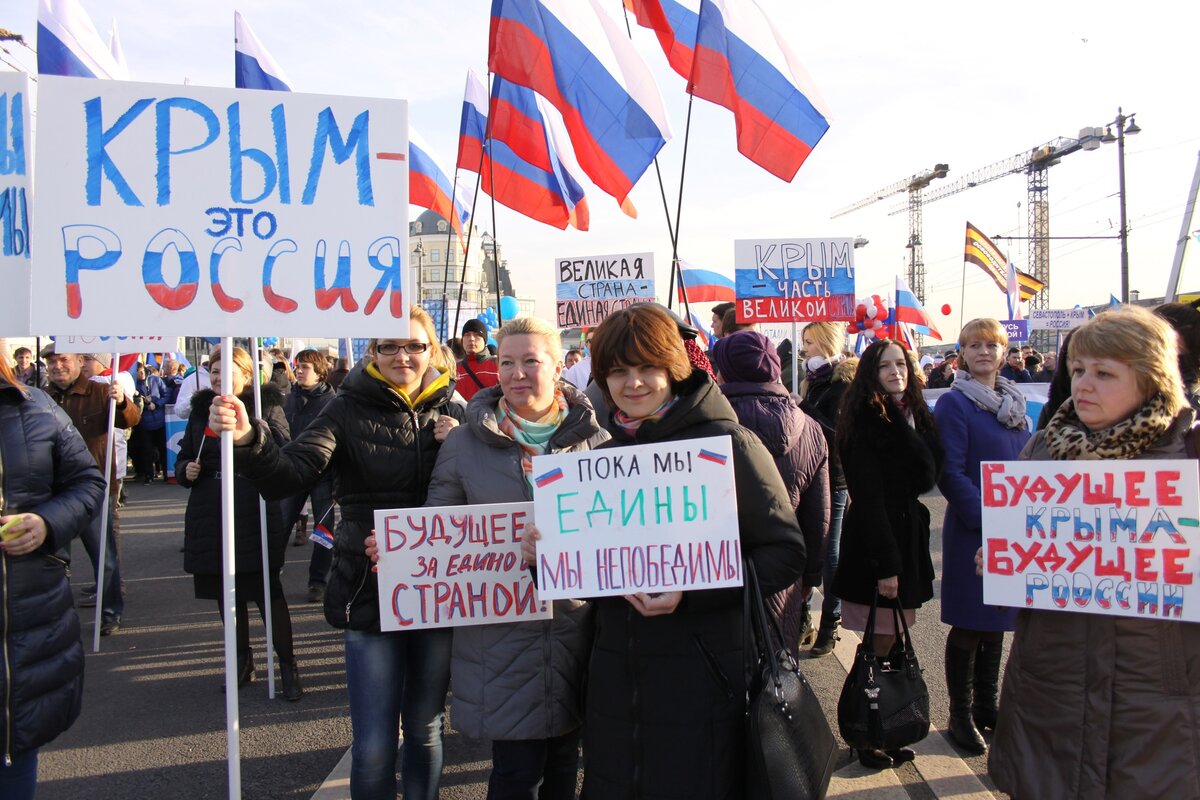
x: 915, y: 186
x: 1034, y: 163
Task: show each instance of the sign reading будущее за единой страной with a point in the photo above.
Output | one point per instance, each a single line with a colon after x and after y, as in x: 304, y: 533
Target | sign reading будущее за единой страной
x: 1100, y: 537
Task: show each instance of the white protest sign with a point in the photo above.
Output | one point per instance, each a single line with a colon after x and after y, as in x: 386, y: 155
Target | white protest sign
x: 16, y: 202
x: 117, y: 344
x: 794, y: 280
x: 1099, y: 537
x: 1056, y: 319
x: 454, y: 565
x: 644, y: 518
x: 592, y: 287
x: 219, y: 211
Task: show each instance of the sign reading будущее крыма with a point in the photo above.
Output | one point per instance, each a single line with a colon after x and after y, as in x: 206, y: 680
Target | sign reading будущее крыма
x: 163, y: 208
x: 445, y: 566
x: 644, y: 518
x: 794, y: 280
x: 1099, y: 537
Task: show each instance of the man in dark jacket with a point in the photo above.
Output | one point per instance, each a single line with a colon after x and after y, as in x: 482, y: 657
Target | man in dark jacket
x: 1014, y: 368
x: 478, y: 369
x: 86, y: 403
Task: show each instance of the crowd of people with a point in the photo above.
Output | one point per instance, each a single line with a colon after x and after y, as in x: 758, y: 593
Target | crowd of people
x: 645, y: 692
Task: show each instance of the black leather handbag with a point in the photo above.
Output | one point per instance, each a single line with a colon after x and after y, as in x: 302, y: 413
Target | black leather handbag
x: 790, y: 749
x: 884, y: 703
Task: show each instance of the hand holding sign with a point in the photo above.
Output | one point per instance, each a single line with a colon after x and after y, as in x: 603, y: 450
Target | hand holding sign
x: 227, y: 413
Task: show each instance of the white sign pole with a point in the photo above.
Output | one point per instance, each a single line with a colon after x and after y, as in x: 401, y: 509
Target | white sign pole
x: 262, y: 525
x: 104, y: 505
x: 795, y: 358
x: 227, y: 531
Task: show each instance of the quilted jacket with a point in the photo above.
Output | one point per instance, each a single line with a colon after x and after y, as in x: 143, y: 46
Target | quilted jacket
x: 522, y: 680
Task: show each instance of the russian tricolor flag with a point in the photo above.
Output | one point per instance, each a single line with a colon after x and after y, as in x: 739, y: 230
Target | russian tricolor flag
x: 703, y: 334
x: 472, y: 128
x: 548, y: 478
x: 716, y: 458
x: 744, y: 64
x: 704, y: 286
x: 430, y: 187
x: 573, y: 54
x: 674, y: 23
x: 254, y: 68
x: 909, y: 311
x: 68, y: 44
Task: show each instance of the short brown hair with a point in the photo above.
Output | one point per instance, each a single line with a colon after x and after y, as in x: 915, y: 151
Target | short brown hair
x: 1141, y: 341
x: 985, y: 329
x: 318, y: 362
x: 640, y: 334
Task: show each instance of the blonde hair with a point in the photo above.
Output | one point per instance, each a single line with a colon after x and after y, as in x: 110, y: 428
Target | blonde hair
x: 419, y: 316
x: 984, y: 329
x: 241, y: 360
x: 532, y: 326
x: 829, y: 336
x: 1141, y: 341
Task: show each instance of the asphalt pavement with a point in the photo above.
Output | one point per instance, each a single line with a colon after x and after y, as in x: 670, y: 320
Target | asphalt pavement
x: 153, y: 722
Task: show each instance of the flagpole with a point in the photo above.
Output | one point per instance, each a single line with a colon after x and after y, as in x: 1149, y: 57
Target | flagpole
x: 687, y: 130
x: 228, y: 593
x: 105, y: 505
x: 262, y: 526
x: 462, y: 283
x: 492, y: 193
x: 449, y: 241
x: 962, y: 299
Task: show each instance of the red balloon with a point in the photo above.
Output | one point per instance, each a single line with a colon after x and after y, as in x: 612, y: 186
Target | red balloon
x: 946, y: 310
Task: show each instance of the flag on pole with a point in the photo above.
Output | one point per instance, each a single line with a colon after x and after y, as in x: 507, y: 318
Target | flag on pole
x: 430, y: 187
x: 254, y: 68
x: 742, y: 62
x: 703, y: 335
x: 674, y: 23
x: 704, y: 286
x: 1013, y: 293
x: 573, y: 54
x: 910, y: 312
x: 983, y: 253
x: 68, y: 44
x: 472, y: 127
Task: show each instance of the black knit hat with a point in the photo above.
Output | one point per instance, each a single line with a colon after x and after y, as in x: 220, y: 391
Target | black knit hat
x: 475, y: 326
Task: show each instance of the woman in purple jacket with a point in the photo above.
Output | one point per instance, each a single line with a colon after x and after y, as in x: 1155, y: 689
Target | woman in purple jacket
x: 748, y: 368
x: 981, y: 418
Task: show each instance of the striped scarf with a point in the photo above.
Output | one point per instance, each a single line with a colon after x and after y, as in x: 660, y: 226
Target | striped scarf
x: 631, y: 424
x: 532, y: 436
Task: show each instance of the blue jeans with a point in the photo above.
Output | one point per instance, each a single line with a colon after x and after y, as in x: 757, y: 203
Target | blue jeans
x: 397, y: 680
x: 19, y: 781
x: 831, y: 607
x: 323, y: 513
x: 114, y: 601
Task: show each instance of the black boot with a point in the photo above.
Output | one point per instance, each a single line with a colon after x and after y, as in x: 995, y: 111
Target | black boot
x: 827, y: 637
x: 289, y: 676
x: 987, y: 683
x: 960, y: 667
x: 245, y: 668
x: 875, y: 759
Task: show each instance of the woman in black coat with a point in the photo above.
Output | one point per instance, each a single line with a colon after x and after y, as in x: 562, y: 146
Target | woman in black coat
x: 198, y: 468
x: 379, y: 437
x: 890, y: 455
x: 666, y: 693
x: 51, y: 491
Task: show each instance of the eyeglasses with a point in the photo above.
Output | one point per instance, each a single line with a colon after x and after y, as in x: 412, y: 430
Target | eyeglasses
x: 391, y: 348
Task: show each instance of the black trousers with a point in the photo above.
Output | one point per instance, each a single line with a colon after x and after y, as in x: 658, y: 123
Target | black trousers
x: 535, y: 769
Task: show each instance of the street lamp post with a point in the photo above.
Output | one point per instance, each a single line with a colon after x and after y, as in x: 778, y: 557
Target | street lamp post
x: 419, y: 252
x: 1123, y: 234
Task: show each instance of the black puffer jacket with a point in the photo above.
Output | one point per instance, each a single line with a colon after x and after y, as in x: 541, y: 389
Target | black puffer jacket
x: 666, y: 695
x: 303, y: 405
x: 822, y: 401
x: 46, y: 470
x: 202, y: 520
x: 381, y: 452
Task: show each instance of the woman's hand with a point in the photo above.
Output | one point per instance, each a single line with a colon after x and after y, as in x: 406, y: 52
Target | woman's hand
x: 529, y: 540
x: 25, y: 536
x: 889, y: 587
x: 443, y: 426
x: 191, y: 470
x: 228, y: 414
x: 655, y: 605
x: 371, y: 546
x: 979, y: 562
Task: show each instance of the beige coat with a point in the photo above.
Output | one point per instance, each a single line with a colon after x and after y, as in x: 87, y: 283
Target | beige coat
x: 1101, y: 706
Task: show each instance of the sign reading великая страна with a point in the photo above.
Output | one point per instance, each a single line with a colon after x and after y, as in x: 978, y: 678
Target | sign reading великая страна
x: 163, y: 208
x: 794, y: 280
x: 1098, y: 537
x: 643, y: 518
x: 446, y: 566
x: 16, y: 201
x: 592, y: 287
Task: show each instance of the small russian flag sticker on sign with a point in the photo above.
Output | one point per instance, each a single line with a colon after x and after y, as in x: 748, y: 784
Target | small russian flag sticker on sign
x: 549, y: 477
x: 716, y: 458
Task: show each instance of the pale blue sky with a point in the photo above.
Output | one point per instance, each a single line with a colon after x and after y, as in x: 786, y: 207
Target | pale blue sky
x: 909, y: 85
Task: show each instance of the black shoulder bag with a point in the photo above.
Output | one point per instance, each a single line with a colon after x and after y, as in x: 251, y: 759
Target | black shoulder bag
x: 884, y: 703
x: 790, y: 749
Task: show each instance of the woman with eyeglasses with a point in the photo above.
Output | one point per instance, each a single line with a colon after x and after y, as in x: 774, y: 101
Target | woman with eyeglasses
x: 379, y: 437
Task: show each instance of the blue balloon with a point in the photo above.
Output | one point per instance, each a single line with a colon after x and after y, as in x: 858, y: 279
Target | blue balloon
x: 270, y: 341
x: 509, y: 309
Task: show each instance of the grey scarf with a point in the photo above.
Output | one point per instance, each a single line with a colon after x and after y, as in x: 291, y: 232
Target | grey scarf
x: 1005, y: 401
